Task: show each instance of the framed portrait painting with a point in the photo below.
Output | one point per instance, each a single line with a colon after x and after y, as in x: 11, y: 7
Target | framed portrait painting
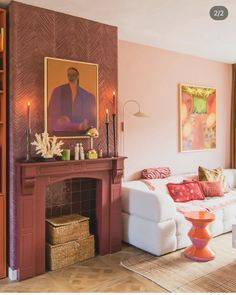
x: 197, y: 118
x: 71, y: 97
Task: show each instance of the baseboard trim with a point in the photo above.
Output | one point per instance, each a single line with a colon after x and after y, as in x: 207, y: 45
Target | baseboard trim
x: 12, y: 274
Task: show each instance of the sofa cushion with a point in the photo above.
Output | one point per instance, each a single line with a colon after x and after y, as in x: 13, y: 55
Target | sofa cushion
x: 230, y: 175
x: 216, y: 174
x: 185, y: 191
x: 211, y: 188
x: 159, y: 172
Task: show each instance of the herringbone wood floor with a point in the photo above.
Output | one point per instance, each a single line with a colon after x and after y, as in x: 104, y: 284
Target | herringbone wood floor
x: 99, y: 274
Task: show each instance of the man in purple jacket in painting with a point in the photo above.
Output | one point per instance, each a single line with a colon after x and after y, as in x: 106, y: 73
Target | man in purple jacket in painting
x: 71, y: 108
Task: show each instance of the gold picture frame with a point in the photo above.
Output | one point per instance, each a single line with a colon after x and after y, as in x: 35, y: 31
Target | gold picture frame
x: 197, y: 118
x: 71, y: 97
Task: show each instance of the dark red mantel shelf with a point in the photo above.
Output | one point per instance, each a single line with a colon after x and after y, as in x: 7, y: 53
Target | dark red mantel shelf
x: 32, y: 181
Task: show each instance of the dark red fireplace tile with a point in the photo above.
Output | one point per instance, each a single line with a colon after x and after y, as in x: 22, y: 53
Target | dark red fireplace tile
x: 76, y: 185
x: 48, y: 201
x: 87, y: 184
x: 56, y: 188
x: 48, y: 212
x: 76, y: 207
x: 92, y: 194
x: 56, y: 199
x: 76, y: 196
x: 92, y: 204
x: 85, y: 205
x: 56, y: 211
x: 66, y: 209
x: 85, y: 195
x: 67, y: 186
x: 66, y: 198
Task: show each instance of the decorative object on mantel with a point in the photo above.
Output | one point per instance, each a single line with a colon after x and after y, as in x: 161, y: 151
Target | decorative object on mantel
x: 81, y: 152
x: 46, y: 146
x: 107, y: 131
x: 114, y: 123
x: 100, y: 153
x: 92, y: 133
x: 76, y: 157
x: 66, y: 155
x: 137, y: 114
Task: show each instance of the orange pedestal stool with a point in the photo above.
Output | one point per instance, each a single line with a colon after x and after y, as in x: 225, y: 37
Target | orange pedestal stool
x: 199, y: 236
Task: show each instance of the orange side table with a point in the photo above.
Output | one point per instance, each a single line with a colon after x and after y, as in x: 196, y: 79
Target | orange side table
x: 199, y: 236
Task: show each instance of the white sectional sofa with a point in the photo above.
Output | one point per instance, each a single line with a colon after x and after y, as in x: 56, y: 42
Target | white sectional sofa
x: 152, y: 221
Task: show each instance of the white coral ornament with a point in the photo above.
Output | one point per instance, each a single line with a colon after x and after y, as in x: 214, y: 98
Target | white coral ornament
x: 47, y: 147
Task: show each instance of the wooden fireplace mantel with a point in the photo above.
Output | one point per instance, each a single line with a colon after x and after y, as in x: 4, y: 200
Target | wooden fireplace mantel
x: 32, y: 181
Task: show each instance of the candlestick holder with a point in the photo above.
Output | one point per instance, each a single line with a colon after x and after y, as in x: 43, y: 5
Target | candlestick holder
x: 114, y: 133
x: 107, y: 136
x: 28, y: 153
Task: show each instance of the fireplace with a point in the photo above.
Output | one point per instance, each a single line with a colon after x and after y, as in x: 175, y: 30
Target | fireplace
x: 73, y: 196
x: 33, y: 180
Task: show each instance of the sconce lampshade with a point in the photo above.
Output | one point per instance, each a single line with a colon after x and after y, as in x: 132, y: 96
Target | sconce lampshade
x: 140, y: 115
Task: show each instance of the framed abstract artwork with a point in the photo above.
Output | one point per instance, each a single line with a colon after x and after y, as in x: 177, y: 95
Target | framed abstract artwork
x: 197, y: 106
x: 71, y: 97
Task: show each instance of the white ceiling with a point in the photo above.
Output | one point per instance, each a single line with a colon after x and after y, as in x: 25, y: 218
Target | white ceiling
x: 178, y: 25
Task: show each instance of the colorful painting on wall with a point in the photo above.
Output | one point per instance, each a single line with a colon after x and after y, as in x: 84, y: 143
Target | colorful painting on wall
x: 197, y: 118
x: 71, y: 97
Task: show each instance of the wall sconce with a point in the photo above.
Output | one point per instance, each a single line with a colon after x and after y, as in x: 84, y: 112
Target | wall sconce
x: 137, y: 114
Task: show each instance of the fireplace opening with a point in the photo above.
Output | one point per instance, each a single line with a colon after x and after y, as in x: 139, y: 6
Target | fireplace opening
x: 74, y: 196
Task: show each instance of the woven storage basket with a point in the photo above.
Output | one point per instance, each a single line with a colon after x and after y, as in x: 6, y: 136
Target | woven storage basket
x: 67, y: 228
x: 68, y: 253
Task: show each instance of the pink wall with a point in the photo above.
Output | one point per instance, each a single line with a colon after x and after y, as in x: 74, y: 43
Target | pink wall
x: 151, y: 76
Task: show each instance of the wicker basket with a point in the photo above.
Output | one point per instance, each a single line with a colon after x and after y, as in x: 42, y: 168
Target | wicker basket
x: 68, y: 253
x: 67, y: 228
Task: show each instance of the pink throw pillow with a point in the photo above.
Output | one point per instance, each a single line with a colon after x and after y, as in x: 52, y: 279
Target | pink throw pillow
x: 185, y: 191
x: 159, y: 172
x: 211, y: 188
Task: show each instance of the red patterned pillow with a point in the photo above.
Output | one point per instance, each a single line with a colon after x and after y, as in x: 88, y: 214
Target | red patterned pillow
x: 185, y: 191
x: 211, y: 188
x: 160, y: 172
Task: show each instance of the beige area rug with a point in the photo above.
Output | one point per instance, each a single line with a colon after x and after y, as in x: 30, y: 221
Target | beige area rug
x: 176, y: 273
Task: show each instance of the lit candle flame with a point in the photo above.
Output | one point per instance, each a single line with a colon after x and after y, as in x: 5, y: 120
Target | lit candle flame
x: 107, y: 116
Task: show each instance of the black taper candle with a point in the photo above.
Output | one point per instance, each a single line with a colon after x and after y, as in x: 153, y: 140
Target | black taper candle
x: 107, y: 134
x: 28, y: 152
x: 114, y: 133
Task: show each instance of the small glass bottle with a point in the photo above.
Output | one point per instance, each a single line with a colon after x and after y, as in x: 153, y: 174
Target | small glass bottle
x: 100, y: 153
x: 77, y: 151
x: 81, y: 152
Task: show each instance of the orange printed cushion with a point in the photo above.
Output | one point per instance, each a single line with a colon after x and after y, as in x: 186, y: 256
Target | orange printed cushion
x: 217, y: 174
x: 211, y: 188
x: 185, y: 191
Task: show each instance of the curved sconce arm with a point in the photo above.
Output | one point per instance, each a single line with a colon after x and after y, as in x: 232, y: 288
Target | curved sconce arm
x: 137, y: 114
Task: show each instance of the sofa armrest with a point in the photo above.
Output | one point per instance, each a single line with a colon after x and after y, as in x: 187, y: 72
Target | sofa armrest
x: 150, y: 205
